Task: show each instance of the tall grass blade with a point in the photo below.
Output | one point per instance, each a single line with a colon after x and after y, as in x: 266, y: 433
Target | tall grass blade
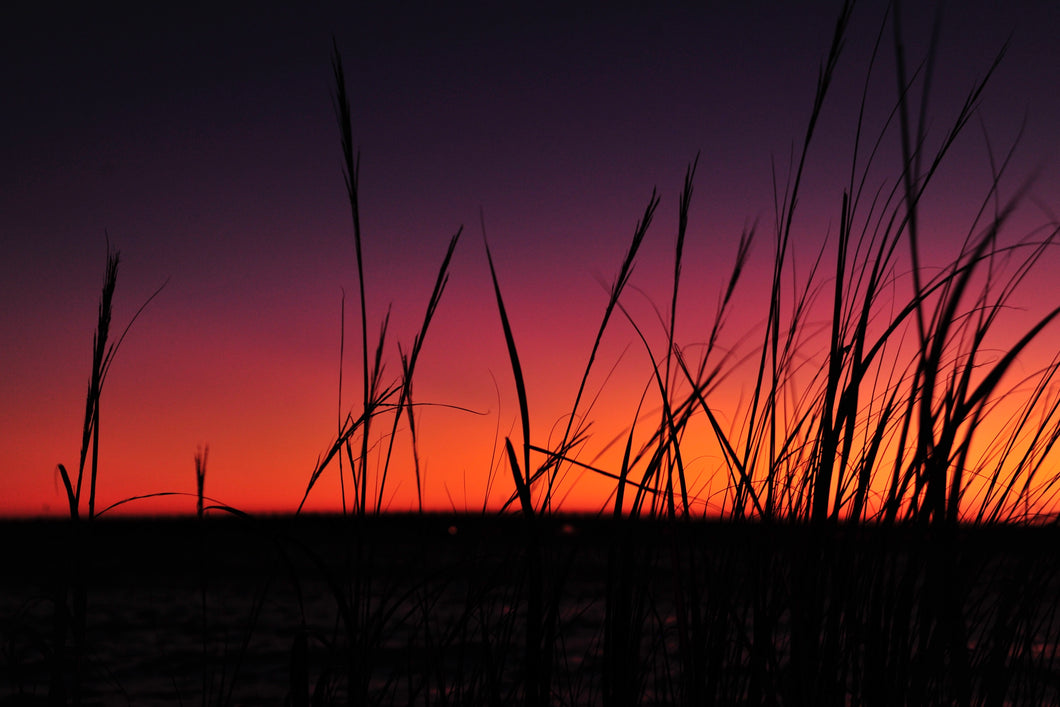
x: 513, y: 358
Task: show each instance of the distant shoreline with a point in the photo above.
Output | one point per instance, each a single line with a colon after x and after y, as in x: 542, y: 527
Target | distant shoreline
x: 232, y: 544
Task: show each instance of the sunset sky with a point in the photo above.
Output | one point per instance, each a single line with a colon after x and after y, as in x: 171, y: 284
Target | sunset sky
x: 203, y: 143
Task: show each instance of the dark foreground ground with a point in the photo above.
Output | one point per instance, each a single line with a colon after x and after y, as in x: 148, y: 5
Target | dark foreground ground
x: 443, y: 609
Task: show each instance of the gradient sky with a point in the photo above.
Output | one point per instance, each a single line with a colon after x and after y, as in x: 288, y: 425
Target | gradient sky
x: 203, y: 142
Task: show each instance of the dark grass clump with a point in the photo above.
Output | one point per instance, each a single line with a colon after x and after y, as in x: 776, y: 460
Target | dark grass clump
x: 868, y: 568
x: 864, y: 549
x: 65, y: 651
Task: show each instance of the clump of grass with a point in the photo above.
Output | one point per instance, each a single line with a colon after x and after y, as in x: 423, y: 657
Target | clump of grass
x: 362, y: 613
x: 103, y: 353
x: 844, y: 454
x: 883, y: 435
x: 68, y: 643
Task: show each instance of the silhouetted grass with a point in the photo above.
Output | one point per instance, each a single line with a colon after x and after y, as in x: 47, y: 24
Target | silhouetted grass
x: 868, y: 545
x: 66, y: 653
x: 883, y: 434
